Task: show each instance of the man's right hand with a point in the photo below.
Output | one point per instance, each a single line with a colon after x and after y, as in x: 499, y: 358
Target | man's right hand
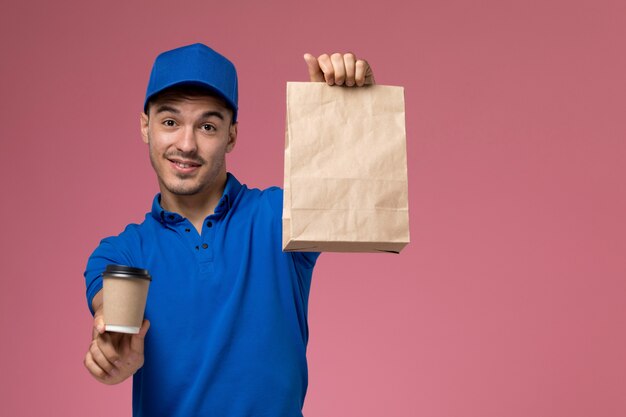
x: 113, y: 357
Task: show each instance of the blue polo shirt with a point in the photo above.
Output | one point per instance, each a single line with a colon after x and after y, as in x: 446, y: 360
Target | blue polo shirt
x: 227, y: 308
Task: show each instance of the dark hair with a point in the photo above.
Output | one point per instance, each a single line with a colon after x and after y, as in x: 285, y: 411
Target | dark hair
x: 188, y: 91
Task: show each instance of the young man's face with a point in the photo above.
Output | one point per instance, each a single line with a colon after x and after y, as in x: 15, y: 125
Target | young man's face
x: 189, y: 137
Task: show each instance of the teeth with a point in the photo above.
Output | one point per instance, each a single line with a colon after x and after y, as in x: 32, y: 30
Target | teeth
x: 183, y: 165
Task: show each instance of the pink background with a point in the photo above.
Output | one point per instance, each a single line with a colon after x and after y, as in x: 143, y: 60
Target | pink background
x: 510, y: 300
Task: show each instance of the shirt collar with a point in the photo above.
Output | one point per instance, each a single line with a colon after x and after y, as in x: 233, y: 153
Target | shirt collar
x: 231, y: 190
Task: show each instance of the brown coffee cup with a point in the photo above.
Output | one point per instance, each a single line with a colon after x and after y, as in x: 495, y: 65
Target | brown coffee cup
x: 125, y: 290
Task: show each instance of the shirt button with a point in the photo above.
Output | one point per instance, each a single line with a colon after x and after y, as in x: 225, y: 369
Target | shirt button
x: 209, y: 224
x: 171, y: 217
x: 187, y: 230
x: 197, y: 247
x: 204, y: 246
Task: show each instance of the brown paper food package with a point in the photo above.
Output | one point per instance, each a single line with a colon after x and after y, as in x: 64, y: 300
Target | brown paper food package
x: 346, y: 187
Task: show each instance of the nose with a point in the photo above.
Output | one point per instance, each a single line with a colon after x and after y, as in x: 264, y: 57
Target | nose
x: 186, y: 142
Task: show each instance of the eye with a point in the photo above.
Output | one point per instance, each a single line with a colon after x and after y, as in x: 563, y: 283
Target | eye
x: 208, y: 127
x: 169, y: 122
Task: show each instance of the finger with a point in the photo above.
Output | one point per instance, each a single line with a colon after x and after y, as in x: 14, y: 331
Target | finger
x: 363, y: 73
x: 107, y: 344
x: 98, y: 325
x: 349, y: 61
x: 100, y: 360
x: 137, y: 340
x: 339, y: 68
x: 315, y: 72
x: 93, y: 368
x: 327, y: 68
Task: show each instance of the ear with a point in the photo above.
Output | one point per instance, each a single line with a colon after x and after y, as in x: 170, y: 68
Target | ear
x: 144, y: 121
x: 232, y: 137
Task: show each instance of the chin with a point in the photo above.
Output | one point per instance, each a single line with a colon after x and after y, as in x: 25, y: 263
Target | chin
x: 183, y: 191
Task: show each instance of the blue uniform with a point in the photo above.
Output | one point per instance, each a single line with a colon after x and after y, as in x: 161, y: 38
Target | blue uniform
x: 228, y: 309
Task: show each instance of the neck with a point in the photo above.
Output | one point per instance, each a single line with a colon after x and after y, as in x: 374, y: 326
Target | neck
x: 196, y: 207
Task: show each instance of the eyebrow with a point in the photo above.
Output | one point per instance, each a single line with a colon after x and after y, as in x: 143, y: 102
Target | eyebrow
x: 165, y: 108
x: 217, y: 114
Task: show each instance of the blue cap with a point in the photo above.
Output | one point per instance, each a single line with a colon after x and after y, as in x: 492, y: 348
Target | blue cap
x: 195, y: 64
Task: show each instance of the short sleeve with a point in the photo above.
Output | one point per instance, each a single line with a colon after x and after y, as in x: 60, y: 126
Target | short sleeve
x: 275, y: 198
x: 111, y: 250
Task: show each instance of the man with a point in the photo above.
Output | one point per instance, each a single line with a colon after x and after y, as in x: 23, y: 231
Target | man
x: 227, y: 308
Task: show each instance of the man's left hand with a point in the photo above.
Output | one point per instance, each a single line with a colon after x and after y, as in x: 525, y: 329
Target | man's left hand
x: 339, y: 69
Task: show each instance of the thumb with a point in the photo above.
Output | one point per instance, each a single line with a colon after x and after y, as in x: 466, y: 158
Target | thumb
x: 315, y: 72
x: 98, y: 325
x: 137, y: 340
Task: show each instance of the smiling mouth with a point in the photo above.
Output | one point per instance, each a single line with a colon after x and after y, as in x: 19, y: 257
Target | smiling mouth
x: 184, y: 164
